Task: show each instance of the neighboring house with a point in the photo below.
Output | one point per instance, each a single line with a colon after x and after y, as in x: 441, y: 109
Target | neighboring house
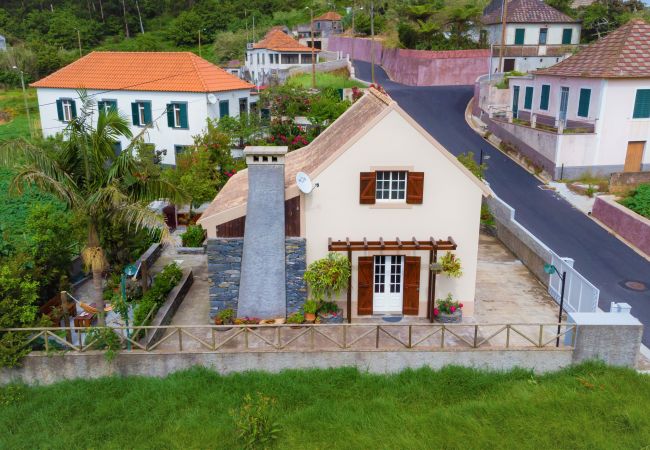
x: 277, y: 51
x: 384, y: 185
x: 591, y: 112
x: 537, y: 35
x: 3, y: 43
x: 233, y: 67
x: 168, y: 95
x: 324, y: 26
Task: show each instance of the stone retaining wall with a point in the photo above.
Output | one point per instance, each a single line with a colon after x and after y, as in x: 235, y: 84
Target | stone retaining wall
x: 296, y: 263
x: 621, y: 182
x: 626, y: 223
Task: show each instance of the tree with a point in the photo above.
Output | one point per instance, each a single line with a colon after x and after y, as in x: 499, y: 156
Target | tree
x: 185, y: 29
x: 195, y: 175
x: 95, y: 184
x: 229, y: 45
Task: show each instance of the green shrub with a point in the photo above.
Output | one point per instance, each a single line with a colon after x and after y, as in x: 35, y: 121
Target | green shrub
x: 467, y: 160
x: 328, y: 276
x: 104, y: 339
x: 256, y: 426
x: 639, y: 200
x: 194, y: 236
x: 157, y: 293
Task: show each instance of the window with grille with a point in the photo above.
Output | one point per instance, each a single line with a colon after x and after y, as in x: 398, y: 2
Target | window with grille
x: 380, y: 274
x: 391, y: 185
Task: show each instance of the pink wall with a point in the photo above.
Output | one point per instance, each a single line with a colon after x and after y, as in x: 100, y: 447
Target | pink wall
x: 418, y: 67
x: 629, y: 225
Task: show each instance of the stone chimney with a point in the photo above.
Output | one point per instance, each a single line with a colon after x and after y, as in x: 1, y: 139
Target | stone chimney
x: 262, y: 290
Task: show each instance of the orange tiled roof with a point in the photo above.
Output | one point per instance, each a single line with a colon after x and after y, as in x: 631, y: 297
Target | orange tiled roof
x: 279, y: 41
x: 331, y: 15
x: 623, y: 53
x: 143, y: 71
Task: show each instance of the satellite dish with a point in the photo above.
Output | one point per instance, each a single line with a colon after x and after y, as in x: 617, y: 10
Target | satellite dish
x: 212, y: 99
x: 304, y: 183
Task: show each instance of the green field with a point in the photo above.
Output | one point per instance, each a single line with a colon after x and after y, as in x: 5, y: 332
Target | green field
x: 12, y: 102
x: 588, y: 406
x: 337, y: 80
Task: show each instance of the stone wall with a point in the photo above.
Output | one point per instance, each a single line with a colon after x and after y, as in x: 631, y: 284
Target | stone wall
x: 224, y: 270
x: 621, y: 182
x: 296, y: 263
x: 626, y: 223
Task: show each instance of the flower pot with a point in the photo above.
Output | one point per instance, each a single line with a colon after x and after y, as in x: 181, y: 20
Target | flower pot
x: 331, y: 318
x: 455, y: 317
x: 310, y: 317
x: 435, y: 267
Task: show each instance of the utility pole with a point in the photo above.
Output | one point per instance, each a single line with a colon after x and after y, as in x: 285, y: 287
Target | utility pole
x: 354, y: 4
x: 372, y: 41
x: 22, y: 84
x: 313, y: 52
x: 126, y: 24
x: 200, y: 43
x: 79, y: 41
x: 502, y: 49
x: 137, y: 6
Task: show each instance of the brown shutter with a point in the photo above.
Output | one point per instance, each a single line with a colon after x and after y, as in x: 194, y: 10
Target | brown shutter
x: 365, y: 285
x: 411, y: 301
x: 415, y: 188
x: 367, y: 188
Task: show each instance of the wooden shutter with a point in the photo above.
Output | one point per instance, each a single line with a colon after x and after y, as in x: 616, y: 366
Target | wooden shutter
x: 184, y: 123
x: 59, y: 109
x: 224, y: 108
x: 101, y: 107
x: 567, y: 34
x: 112, y: 105
x: 543, y: 101
x: 73, y: 108
x: 147, y: 113
x: 642, y: 104
x: 135, y: 117
x: 367, y: 188
x: 411, y: 300
x: 415, y: 188
x: 365, y: 285
x: 520, y: 33
x: 528, y: 98
x: 583, y: 102
x: 170, y: 115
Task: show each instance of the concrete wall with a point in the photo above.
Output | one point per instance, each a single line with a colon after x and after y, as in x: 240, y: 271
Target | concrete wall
x: 41, y: 369
x: 418, y: 67
x: 621, y: 182
x: 626, y: 223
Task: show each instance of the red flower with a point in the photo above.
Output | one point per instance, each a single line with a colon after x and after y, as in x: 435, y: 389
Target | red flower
x: 435, y: 311
x: 452, y: 308
x: 460, y: 305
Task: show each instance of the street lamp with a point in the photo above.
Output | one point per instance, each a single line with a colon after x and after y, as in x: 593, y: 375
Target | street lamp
x: 551, y: 269
x: 129, y: 271
x: 483, y: 157
x: 22, y: 84
x: 313, y: 51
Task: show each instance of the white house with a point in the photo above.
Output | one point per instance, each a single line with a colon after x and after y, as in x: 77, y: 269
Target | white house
x: 537, y: 35
x: 591, y: 112
x: 277, y: 51
x: 388, y: 196
x: 168, y: 95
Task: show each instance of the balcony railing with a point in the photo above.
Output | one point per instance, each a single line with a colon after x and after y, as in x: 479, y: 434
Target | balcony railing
x: 541, y: 121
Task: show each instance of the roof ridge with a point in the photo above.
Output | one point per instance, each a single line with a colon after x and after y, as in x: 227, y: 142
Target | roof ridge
x: 199, y: 75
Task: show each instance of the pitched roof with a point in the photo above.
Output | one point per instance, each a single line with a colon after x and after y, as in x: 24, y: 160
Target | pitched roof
x: 524, y: 11
x: 345, y: 130
x: 330, y: 15
x: 279, y: 41
x: 143, y: 71
x: 623, y: 53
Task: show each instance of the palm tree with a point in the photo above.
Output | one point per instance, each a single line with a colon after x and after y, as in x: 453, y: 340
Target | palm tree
x: 84, y: 172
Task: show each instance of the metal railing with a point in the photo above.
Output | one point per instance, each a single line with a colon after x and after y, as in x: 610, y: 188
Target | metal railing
x: 317, y: 337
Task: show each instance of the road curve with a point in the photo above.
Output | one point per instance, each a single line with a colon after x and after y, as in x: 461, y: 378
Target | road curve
x: 599, y: 256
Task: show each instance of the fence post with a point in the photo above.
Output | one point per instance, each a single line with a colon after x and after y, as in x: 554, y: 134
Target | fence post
x: 66, y: 317
x: 475, y: 335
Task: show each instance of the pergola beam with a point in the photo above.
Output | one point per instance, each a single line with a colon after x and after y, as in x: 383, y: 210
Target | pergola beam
x: 397, y: 244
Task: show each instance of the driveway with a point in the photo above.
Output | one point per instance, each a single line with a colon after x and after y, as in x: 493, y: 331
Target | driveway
x: 599, y: 256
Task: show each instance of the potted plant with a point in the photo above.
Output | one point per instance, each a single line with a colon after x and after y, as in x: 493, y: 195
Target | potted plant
x: 435, y: 267
x: 448, y: 310
x: 329, y: 312
x: 451, y: 265
x: 296, y: 318
x: 327, y: 278
x: 310, y: 309
x: 225, y: 317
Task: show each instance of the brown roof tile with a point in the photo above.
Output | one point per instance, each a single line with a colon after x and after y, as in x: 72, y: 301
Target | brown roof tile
x: 524, y: 11
x: 279, y: 41
x: 330, y: 15
x: 143, y: 71
x: 623, y: 53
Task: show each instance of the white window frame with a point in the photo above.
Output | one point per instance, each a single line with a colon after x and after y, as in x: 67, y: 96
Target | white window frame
x: 395, y: 195
x: 141, y: 114
x: 66, y: 106
x: 177, y: 115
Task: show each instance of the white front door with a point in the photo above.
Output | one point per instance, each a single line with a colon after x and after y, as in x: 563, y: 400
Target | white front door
x: 388, y: 277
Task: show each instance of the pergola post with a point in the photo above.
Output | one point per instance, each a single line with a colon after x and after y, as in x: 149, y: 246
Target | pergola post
x: 350, y: 287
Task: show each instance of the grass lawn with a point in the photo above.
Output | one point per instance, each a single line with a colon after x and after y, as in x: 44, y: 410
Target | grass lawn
x: 589, y: 406
x: 338, y: 79
x: 12, y: 101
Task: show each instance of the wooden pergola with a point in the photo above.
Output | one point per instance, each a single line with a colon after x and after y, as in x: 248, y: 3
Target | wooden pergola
x: 431, y: 245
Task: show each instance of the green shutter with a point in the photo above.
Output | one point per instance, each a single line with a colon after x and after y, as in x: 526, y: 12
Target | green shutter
x: 183, y: 111
x: 170, y: 115
x: 73, y: 108
x: 543, y: 102
x: 112, y: 104
x: 583, y: 102
x: 59, y: 109
x: 224, y: 108
x: 567, y: 34
x: 100, y: 106
x: 147, y: 113
x: 134, y: 114
x: 642, y: 104
x: 519, y: 36
x: 528, y: 98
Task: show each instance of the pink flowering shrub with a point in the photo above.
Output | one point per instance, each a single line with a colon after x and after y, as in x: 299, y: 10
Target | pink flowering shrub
x: 447, y: 305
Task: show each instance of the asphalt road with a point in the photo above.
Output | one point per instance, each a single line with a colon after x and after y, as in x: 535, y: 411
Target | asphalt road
x: 598, y: 255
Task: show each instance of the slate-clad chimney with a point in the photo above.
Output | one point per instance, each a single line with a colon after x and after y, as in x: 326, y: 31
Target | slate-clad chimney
x: 262, y: 291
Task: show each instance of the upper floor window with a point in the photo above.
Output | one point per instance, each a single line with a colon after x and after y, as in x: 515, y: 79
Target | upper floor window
x: 567, y: 35
x: 141, y: 113
x: 544, y: 97
x: 224, y: 108
x: 543, y: 34
x: 520, y: 34
x: 642, y: 104
x: 391, y: 185
x: 583, y: 102
x: 177, y: 115
x: 66, y: 109
x: 105, y: 106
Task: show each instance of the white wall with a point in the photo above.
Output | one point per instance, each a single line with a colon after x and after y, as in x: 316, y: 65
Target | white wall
x: 260, y: 71
x: 451, y: 206
x: 160, y: 134
x: 531, y: 36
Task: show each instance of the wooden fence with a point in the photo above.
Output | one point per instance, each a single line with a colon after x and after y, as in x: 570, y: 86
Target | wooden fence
x: 318, y: 337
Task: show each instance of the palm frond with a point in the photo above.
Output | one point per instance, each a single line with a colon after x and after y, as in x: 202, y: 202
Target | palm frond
x: 32, y: 176
x: 139, y: 216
